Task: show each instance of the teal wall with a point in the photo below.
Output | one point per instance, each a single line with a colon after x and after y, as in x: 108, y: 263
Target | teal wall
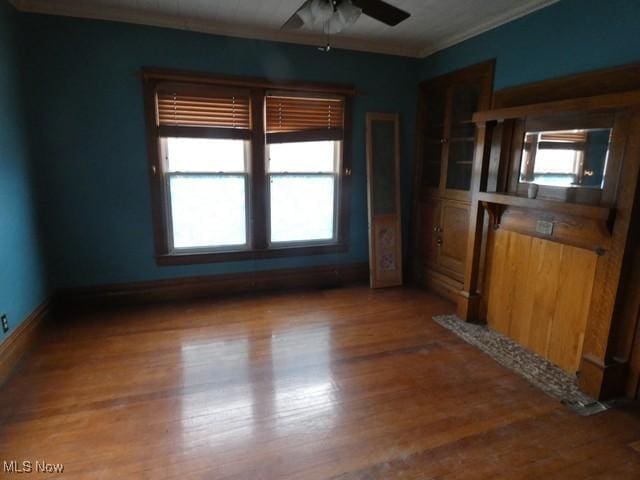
x: 568, y: 37
x: 22, y: 274
x: 88, y: 132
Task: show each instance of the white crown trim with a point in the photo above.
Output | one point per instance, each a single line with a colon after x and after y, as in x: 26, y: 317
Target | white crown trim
x: 82, y: 10
x: 521, y: 11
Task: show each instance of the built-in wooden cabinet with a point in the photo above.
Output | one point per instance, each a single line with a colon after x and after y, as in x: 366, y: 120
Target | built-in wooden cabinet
x: 554, y: 223
x: 445, y: 149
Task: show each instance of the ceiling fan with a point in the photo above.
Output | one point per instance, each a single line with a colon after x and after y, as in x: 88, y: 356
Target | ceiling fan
x: 336, y: 15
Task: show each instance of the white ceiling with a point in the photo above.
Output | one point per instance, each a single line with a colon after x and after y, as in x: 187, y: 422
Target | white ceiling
x: 433, y: 25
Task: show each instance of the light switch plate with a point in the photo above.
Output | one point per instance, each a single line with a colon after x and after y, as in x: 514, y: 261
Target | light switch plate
x: 544, y: 227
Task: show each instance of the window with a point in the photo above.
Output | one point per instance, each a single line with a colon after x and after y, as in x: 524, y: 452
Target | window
x: 304, y: 149
x: 242, y: 170
x: 207, y: 188
x: 303, y: 182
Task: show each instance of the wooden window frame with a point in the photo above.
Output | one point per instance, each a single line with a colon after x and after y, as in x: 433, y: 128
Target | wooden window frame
x: 258, y: 207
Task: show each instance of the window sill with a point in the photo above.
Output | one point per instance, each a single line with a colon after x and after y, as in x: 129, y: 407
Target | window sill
x: 216, y: 257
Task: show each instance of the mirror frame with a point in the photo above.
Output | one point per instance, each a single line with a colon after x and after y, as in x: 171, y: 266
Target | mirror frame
x: 569, y: 121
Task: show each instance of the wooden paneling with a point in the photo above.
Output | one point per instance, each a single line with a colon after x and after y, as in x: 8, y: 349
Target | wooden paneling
x: 455, y: 227
x: 429, y: 222
x: 598, y: 82
x: 539, y: 294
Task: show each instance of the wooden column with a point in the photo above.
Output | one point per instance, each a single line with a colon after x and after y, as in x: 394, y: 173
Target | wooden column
x: 603, y: 368
x: 469, y: 300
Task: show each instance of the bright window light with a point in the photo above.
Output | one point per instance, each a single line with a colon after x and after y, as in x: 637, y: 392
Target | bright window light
x: 208, y: 211
x: 205, y: 155
x: 302, y: 186
x: 207, y: 189
x: 302, y: 208
x: 303, y: 157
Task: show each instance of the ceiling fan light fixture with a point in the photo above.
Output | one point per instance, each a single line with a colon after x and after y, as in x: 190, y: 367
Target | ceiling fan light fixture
x: 321, y: 10
x: 335, y: 24
x: 348, y: 13
x: 306, y: 15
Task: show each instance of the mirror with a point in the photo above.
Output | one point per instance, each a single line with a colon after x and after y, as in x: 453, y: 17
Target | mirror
x: 565, y: 158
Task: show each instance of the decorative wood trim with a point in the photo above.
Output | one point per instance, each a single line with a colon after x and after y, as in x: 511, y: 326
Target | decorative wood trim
x: 604, y: 323
x: 168, y: 74
x: 595, y: 212
x: 598, y: 82
x: 18, y: 343
x: 283, y: 252
x: 609, y: 101
x: 216, y: 285
x: 443, y: 285
x: 469, y: 300
x: 581, y: 232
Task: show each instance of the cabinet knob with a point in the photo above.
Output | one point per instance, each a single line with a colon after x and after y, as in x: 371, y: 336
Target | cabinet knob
x: 439, y: 241
x: 437, y: 229
x: 443, y: 140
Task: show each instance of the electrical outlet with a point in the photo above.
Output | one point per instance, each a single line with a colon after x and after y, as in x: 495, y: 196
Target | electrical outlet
x: 5, y: 323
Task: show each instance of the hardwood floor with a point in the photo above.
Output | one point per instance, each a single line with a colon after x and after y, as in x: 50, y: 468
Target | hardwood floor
x: 346, y: 383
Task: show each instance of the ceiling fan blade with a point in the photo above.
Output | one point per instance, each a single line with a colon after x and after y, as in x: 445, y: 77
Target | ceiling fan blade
x: 382, y: 11
x: 295, y: 22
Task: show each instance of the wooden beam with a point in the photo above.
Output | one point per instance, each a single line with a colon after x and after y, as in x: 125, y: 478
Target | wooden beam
x: 602, y: 369
x: 601, y: 102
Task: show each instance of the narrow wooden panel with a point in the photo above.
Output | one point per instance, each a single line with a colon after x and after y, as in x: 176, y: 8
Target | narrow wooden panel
x: 577, y: 272
x: 383, y: 198
x: 545, y: 260
x: 455, y: 228
x: 521, y: 283
x: 429, y: 221
x: 499, y: 308
x: 539, y: 293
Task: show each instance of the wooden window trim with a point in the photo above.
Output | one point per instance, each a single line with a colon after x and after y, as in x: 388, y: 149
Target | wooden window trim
x: 258, y: 240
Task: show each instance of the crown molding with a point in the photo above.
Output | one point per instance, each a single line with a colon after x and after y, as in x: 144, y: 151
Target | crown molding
x: 521, y: 11
x: 72, y: 8
x: 82, y: 10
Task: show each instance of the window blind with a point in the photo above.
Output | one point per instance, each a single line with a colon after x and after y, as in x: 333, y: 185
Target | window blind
x: 184, y: 105
x: 568, y: 137
x: 299, y: 118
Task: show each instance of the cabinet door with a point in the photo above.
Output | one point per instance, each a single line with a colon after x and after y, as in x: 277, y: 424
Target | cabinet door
x: 454, y: 223
x: 434, y: 102
x: 461, y: 135
x: 429, y: 226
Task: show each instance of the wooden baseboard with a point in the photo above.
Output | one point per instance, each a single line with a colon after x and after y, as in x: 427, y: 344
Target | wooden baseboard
x: 20, y: 341
x: 602, y: 381
x: 208, y: 286
x: 442, y: 285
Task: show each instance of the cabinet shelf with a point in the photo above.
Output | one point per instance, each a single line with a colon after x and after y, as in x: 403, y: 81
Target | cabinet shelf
x: 595, y: 212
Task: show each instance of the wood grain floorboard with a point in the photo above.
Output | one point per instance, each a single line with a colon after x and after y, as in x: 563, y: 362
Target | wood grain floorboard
x: 322, y: 384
